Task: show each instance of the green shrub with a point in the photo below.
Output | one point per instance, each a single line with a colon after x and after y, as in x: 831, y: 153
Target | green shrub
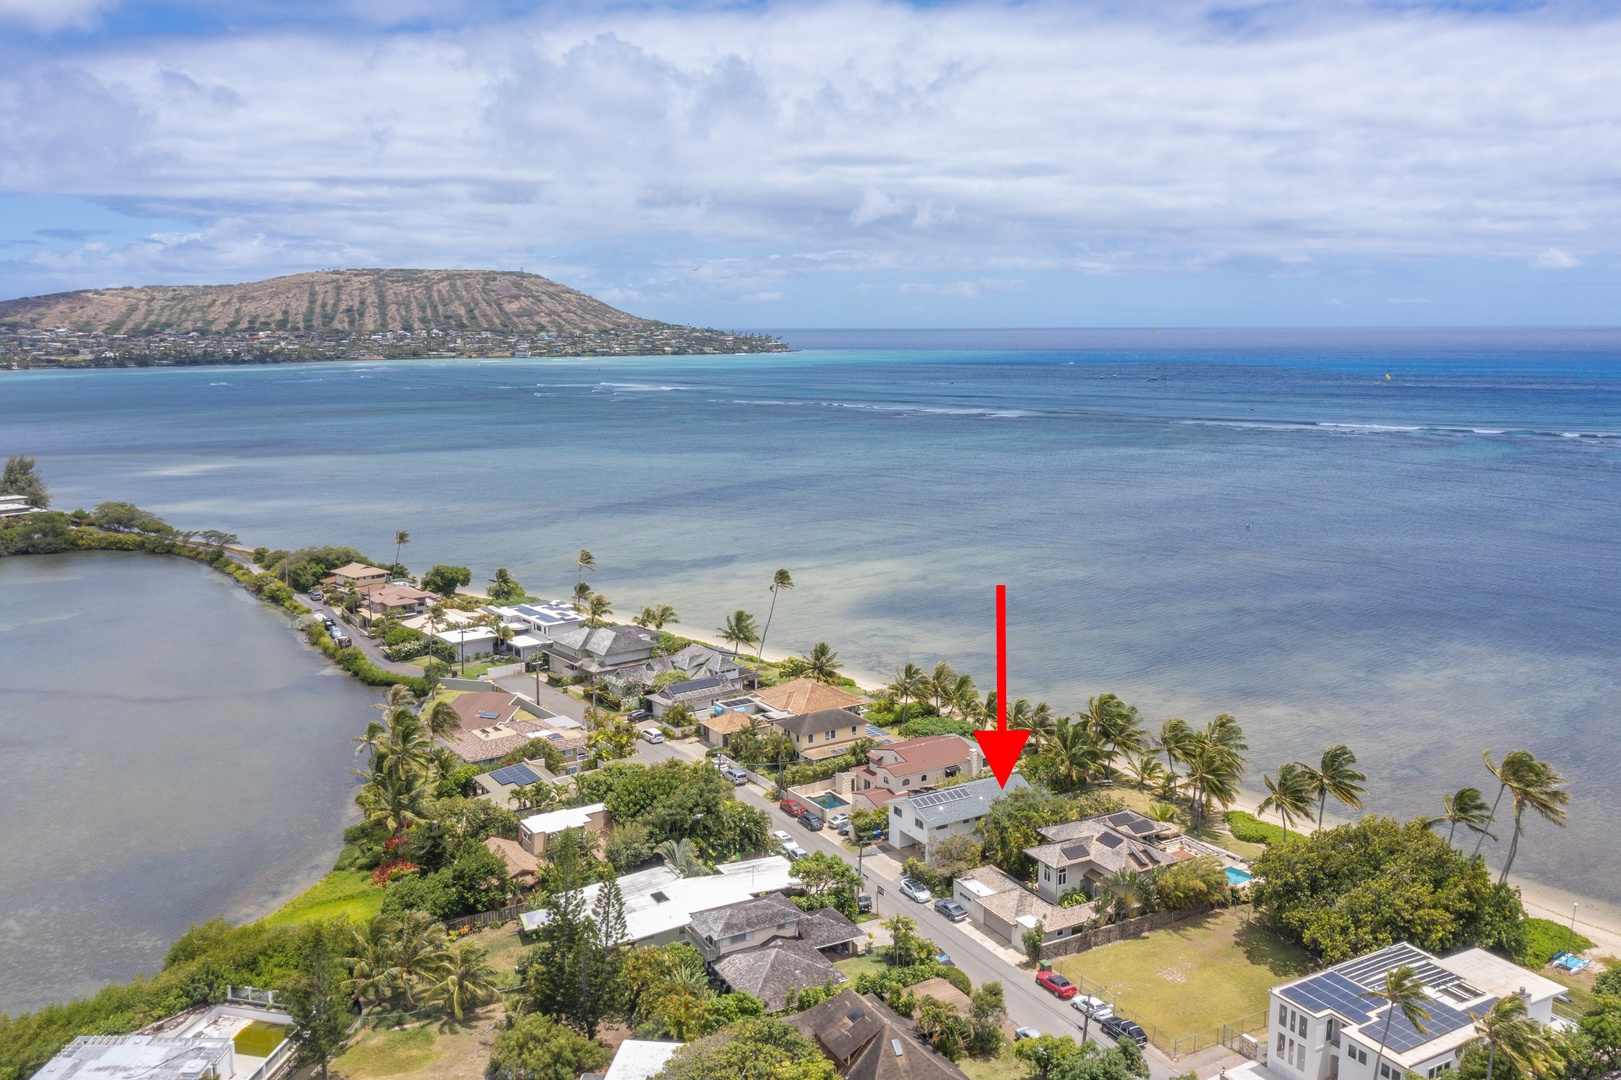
x: 1544, y: 939
x: 1250, y: 829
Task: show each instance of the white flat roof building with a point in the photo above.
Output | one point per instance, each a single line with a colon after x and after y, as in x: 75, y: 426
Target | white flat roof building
x: 641, y: 1059
x: 555, y: 821
x: 659, y: 902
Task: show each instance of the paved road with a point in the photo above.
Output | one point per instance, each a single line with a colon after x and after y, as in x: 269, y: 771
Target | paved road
x: 1028, y: 1005
x: 547, y: 697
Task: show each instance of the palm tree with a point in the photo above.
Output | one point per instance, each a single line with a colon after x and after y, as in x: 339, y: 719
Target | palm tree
x: 682, y: 856
x: 1176, y: 739
x: 397, y: 697
x: 1147, y: 771
x: 371, y: 963
x: 1403, y: 990
x: 940, y: 684
x: 586, y: 561
x: 962, y: 696
x: 1506, y: 1028
x: 419, y: 950
x: 503, y: 585
x: 401, y: 539
x: 1215, y: 765
x: 739, y: 630
x: 822, y: 663
x: 1537, y: 787
x: 582, y: 593
x: 1115, y: 726
x: 1513, y: 762
x: 653, y: 617
x: 396, y: 803
x: 1073, y: 751
x: 780, y: 581
x: 1131, y: 889
x: 1334, y: 776
x: 596, y: 610
x: 441, y: 719
x: 910, y: 684
x: 1290, y: 794
x: 466, y: 980
x: 1466, y: 807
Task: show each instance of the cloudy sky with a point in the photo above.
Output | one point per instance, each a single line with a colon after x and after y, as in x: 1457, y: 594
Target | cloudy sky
x: 837, y: 164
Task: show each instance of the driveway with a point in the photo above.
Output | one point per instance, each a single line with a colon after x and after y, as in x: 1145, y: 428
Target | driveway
x: 547, y: 697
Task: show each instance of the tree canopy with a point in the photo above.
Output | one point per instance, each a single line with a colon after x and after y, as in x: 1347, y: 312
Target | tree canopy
x: 1352, y: 889
x: 759, y: 1049
x: 22, y: 478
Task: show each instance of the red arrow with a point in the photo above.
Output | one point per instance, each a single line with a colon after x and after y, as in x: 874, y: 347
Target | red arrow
x: 1002, y: 747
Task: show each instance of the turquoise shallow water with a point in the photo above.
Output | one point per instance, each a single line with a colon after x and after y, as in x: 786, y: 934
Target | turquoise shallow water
x: 1255, y: 522
x: 170, y: 752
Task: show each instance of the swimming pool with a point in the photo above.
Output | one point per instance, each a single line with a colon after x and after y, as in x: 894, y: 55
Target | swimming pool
x: 829, y: 801
x: 1235, y: 876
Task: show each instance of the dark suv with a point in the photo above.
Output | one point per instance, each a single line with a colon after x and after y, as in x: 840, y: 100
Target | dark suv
x: 1118, y: 1027
x: 811, y: 820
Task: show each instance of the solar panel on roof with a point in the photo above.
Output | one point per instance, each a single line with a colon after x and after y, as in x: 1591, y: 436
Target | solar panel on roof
x: 1331, y: 990
x: 521, y: 775
x: 1370, y: 970
x: 1404, y: 1037
x: 489, y: 716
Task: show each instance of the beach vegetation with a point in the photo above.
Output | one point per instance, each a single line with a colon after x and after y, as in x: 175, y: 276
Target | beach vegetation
x: 1466, y: 807
x: 656, y: 617
x: 781, y: 581
x: 1289, y: 794
x: 1245, y: 826
x: 739, y: 630
x: 1543, y: 939
x: 1349, y: 890
x: 596, y: 608
x: 341, y: 894
x: 1334, y: 775
x: 445, y: 580
x: 505, y: 587
x: 21, y: 477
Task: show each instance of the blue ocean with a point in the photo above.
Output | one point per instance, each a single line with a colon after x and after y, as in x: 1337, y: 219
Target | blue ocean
x: 1407, y: 541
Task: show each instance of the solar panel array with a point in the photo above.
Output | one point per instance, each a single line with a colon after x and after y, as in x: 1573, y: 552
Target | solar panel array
x: 1331, y: 990
x: 940, y: 798
x: 515, y: 774
x: 1370, y: 970
x: 1443, y: 1019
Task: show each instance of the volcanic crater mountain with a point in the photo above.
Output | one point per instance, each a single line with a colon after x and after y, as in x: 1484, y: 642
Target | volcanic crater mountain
x: 330, y: 302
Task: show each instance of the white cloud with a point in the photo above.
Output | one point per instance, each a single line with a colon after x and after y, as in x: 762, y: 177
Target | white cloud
x: 1554, y: 259
x: 966, y: 289
x: 957, y: 140
x: 52, y: 14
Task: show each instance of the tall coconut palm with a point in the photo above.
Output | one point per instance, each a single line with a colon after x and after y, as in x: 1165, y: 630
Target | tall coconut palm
x: 962, y: 695
x: 582, y: 593
x: 1507, y: 1029
x: 781, y: 581
x: 1403, y: 990
x: 585, y: 561
x: 419, y: 950
x: 441, y: 719
x: 739, y: 629
x: 503, y: 586
x: 1115, y: 726
x: 1537, y: 788
x: 596, y: 610
x: 654, y: 616
x: 940, y: 684
x: 1289, y: 795
x: 1335, y: 776
x: 682, y: 856
x: 397, y: 697
x: 465, y: 980
x: 401, y: 539
x: 1176, y: 739
x: 397, y: 803
x: 371, y: 962
x: 1146, y: 770
x: 910, y: 685
x: 1215, y: 764
x: 1515, y: 762
x: 1466, y: 807
x: 822, y: 663
x: 1073, y: 751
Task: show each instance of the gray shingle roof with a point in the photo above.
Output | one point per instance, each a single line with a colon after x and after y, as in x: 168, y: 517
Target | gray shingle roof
x: 827, y: 927
x: 606, y: 640
x: 744, y: 916
x: 769, y: 973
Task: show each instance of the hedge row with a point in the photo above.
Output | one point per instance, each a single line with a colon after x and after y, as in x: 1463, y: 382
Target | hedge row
x: 359, y: 664
x: 1250, y: 829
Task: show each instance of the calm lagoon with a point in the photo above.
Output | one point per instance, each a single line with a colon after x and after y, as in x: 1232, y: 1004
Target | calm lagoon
x: 170, y: 752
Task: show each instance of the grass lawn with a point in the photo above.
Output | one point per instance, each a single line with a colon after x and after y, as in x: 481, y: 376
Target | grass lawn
x: 349, y: 893
x: 1191, y: 977
x: 258, y: 1039
x: 388, y: 1053
x: 857, y: 966
x: 1002, y: 1067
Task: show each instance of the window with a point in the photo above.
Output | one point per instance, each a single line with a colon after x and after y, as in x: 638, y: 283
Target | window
x: 924, y: 777
x: 918, y: 822
x: 1283, y: 1018
x: 1280, y: 1038
x: 897, y: 811
x: 1386, y: 1073
x: 831, y: 735
x: 1063, y: 875
x: 852, y: 729
x: 1046, y: 873
x: 907, y: 782
x: 811, y: 737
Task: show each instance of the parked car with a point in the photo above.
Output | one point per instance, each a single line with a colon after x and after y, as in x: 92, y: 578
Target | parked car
x: 781, y: 837
x: 638, y: 716
x: 944, y: 959
x: 792, y: 807
x: 737, y: 776
x: 653, y: 735
x: 1056, y: 984
x: 839, y: 821
x: 843, y: 827
x: 1026, y: 1033
x: 864, y: 904
x: 951, y: 909
x: 794, y: 851
x: 1118, y: 1027
x: 811, y: 820
x: 317, y: 594
x: 1095, y: 1007
x: 916, y: 890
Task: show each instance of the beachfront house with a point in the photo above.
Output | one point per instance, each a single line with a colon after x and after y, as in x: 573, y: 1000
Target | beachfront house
x: 920, y: 821
x: 1080, y: 854
x: 901, y: 768
x: 15, y: 506
x: 799, y: 696
x: 586, y: 652
x: 1323, y: 1028
x: 358, y: 575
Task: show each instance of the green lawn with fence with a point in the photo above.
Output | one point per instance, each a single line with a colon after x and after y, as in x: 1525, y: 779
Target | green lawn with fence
x: 1184, y: 982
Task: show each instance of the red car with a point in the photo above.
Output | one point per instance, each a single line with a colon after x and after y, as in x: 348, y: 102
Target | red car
x: 791, y: 807
x: 1057, y: 984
